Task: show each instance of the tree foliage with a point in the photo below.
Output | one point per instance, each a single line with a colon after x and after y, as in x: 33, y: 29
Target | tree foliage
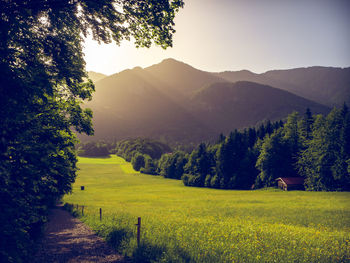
x: 316, y: 148
x: 324, y: 162
x: 42, y: 85
x: 313, y: 147
x: 230, y: 163
x: 138, y: 161
x: 274, y: 160
x: 172, y: 165
x: 128, y: 148
x: 279, y: 153
x: 200, y: 163
x: 150, y: 166
x: 94, y: 149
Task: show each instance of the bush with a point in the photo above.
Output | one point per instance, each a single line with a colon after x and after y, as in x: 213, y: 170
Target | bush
x: 94, y: 149
x: 150, y: 167
x: 138, y: 161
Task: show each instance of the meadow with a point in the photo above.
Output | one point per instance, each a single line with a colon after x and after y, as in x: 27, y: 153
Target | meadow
x: 188, y: 224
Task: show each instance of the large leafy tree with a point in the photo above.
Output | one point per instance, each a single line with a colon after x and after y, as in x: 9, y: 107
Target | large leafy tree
x: 138, y: 161
x: 42, y: 85
x: 324, y: 163
x: 280, y: 151
x: 172, y: 165
x: 274, y: 160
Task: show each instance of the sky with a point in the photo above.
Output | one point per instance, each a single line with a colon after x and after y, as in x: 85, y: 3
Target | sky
x: 257, y: 35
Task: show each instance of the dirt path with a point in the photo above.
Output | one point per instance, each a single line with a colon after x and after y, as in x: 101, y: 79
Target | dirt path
x: 66, y: 239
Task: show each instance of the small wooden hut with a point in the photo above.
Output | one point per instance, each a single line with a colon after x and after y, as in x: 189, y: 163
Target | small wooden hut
x: 290, y: 183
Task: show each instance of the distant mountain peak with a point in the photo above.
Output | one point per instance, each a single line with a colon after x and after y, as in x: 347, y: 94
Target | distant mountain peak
x: 239, y: 71
x: 170, y: 60
x: 137, y: 68
x: 245, y: 71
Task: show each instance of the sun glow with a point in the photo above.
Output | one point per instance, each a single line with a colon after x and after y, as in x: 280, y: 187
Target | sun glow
x: 235, y: 35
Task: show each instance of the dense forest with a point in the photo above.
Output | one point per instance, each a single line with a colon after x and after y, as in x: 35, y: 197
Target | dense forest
x: 314, y: 147
x: 196, y: 166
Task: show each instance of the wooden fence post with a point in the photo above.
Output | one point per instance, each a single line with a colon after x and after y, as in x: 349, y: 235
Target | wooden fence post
x: 100, y: 214
x: 138, y: 230
x: 82, y: 210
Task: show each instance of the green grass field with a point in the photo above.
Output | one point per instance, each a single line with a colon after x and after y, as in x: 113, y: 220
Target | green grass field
x: 186, y: 224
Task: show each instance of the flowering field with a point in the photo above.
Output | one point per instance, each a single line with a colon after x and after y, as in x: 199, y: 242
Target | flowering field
x: 186, y: 224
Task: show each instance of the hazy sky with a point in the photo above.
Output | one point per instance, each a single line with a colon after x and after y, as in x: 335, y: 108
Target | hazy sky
x: 258, y: 35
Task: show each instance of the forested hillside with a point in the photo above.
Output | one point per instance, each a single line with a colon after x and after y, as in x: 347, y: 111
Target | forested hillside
x: 228, y: 106
x: 313, y: 147
x: 175, y: 102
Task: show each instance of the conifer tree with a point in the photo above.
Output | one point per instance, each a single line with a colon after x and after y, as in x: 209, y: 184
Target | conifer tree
x: 198, y: 167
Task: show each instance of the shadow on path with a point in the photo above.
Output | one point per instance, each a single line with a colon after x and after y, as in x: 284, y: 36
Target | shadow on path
x: 66, y: 239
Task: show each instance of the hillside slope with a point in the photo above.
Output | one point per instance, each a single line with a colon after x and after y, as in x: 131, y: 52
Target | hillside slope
x: 325, y: 85
x: 227, y: 106
x: 182, y: 77
x: 176, y: 102
x: 134, y: 103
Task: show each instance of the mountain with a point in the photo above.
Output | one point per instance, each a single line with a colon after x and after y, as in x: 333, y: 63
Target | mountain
x: 182, y: 77
x: 227, y: 106
x: 175, y: 102
x: 95, y: 76
x: 325, y: 85
x: 135, y: 103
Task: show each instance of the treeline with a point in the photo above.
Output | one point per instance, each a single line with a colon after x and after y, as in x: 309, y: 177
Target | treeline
x: 228, y: 164
x: 198, y: 167
x: 142, y: 153
x: 95, y: 149
x: 316, y: 148
x: 128, y: 148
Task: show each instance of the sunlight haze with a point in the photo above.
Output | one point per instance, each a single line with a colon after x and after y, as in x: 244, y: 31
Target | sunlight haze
x: 234, y: 35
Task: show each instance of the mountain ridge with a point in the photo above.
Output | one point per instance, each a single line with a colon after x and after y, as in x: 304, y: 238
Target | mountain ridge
x: 331, y: 90
x: 326, y: 85
x: 165, y: 101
